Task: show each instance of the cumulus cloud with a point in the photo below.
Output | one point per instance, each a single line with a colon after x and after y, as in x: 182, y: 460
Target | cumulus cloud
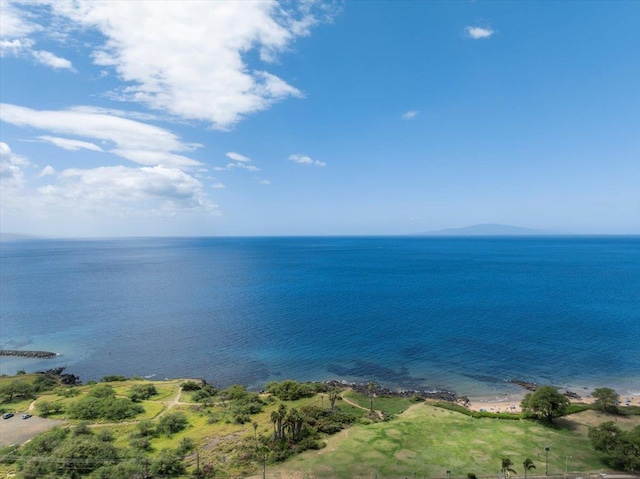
x: 11, y: 168
x: 119, y: 190
x: 478, y: 33
x: 189, y: 58
x: 409, y: 115
x: 264, y: 182
x: 237, y: 156
x: 218, y: 186
x: 306, y: 160
x: 136, y: 141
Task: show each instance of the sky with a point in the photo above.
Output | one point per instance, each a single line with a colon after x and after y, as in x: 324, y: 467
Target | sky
x: 207, y: 118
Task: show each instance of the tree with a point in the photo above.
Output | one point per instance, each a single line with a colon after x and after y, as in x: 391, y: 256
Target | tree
x: 622, y: 447
x: 607, y: 400
x: 506, y: 467
x: 294, y: 422
x: 334, y: 392
x: 277, y: 417
x: 545, y: 402
x: 255, y: 433
x: 371, y: 387
x: 528, y: 465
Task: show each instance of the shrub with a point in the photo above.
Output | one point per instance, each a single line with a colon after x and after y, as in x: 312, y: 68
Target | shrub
x: 190, y: 386
x: 140, y: 392
x: 113, y: 379
x: 110, y: 408
x: 290, y: 390
x: 172, y: 423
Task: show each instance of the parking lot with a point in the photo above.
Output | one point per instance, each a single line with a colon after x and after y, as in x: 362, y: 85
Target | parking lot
x: 16, y: 430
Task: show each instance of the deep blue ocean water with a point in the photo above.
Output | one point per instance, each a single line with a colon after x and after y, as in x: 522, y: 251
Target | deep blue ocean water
x: 460, y: 314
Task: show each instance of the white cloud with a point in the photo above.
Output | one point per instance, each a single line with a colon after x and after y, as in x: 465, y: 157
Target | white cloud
x: 231, y: 166
x: 122, y: 191
x: 410, y: 115
x: 189, y: 58
x: 11, y: 168
x: 69, y: 144
x: 155, y: 157
x: 51, y: 60
x: 13, y: 23
x: 218, y: 186
x: 264, y: 182
x: 306, y: 160
x: 134, y: 140
x: 478, y: 33
x: 15, y: 31
x: 237, y: 156
x: 47, y: 171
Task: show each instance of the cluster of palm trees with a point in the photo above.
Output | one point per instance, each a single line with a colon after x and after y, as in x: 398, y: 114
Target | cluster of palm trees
x: 507, y: 468
x: 287, y: 421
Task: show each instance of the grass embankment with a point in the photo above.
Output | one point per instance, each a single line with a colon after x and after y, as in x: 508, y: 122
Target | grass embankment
x: 427, y: 441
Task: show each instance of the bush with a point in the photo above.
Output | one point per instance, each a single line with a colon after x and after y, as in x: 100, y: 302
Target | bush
x: 102, y: 391
x: 190, y: 386
x: 113, y: 379
x: 167, y: 464
x: 110, y: 408
x: 44, y: 382
x: 46, y: 408
x: 172, y: 423
x: 290, y: 390
x: 140, y: 392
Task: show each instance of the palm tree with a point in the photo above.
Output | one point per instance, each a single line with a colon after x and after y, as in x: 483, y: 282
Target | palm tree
x: 371, y: 387
x: 334, y: 392
x: 294, y: 422
x: 255, y: 433
x: 506, y: 467
x: 274, y: 420
x: 528, y: 465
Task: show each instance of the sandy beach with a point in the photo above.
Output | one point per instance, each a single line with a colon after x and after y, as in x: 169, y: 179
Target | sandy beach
x: 511, y: 403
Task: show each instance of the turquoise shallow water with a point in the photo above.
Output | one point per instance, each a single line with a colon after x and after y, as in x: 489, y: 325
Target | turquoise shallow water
x: 461, y: 314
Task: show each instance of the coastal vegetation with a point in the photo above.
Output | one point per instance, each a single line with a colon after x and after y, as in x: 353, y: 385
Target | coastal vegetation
x: 545, y: 402
x: 120, y: 428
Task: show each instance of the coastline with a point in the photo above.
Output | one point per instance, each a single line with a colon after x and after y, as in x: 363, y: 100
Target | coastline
x: 511, y: 402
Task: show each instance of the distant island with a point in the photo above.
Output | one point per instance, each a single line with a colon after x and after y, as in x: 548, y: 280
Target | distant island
x: 487, y: 230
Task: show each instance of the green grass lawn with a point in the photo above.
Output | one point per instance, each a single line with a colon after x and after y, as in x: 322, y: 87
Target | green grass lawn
x: 428, y: 441
x: 388, y: 404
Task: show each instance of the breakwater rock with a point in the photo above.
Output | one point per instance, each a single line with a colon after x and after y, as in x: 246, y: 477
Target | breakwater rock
x: 28, y: 354
x: 525, y: 384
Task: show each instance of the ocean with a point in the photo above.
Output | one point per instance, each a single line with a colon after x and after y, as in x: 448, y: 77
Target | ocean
x: 456, y: 314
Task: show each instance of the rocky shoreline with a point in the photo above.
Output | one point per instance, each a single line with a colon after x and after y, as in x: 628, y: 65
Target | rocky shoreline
x: 381, y: 391
x: 28, y: 354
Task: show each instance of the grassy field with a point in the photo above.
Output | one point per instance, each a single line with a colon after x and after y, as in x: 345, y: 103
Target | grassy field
x: 426, y: 441
x: 420, y: 440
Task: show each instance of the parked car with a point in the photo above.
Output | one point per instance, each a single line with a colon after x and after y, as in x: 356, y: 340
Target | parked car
x: 26, y: 416
x: 7, y: 415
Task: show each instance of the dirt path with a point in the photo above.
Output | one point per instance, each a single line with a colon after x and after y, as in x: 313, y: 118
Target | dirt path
x: 171, y: 403
x: 351, y: 403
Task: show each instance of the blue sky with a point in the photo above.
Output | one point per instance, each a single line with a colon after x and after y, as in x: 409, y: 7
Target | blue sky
x: 306, y: 118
